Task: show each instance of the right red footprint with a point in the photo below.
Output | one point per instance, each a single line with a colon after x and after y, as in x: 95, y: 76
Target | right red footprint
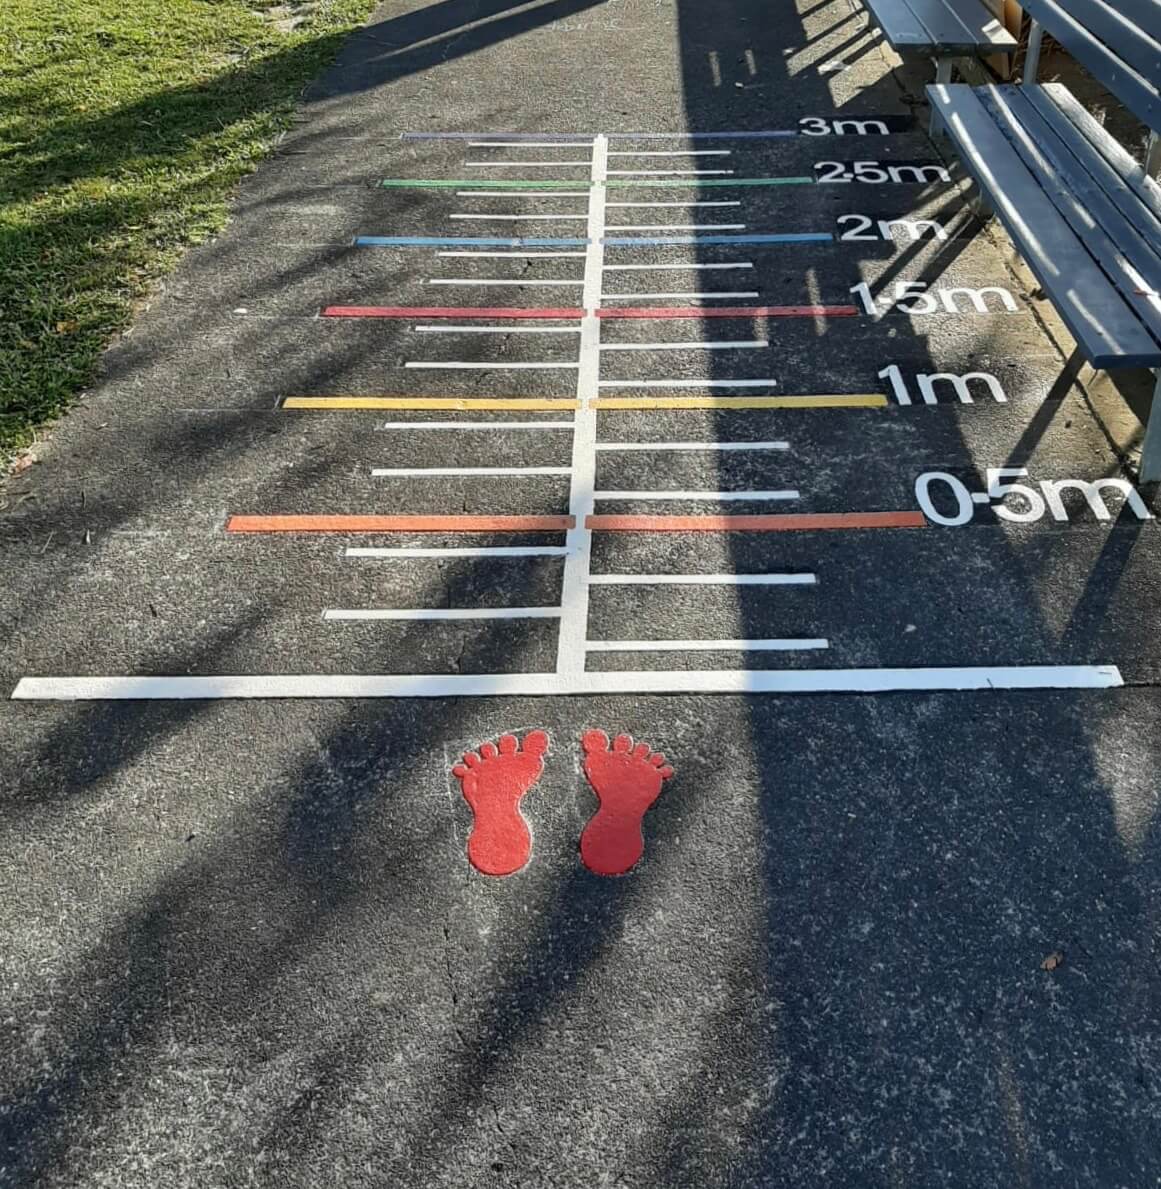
x: 627, y: 780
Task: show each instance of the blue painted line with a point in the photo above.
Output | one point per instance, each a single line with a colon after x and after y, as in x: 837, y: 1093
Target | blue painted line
x: 435, y: 241
x: 812, y: 237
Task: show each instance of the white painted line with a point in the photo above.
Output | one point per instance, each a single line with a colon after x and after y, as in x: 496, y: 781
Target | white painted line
x: 689, y: 384
x: 530, y: 144
x: 519, y: 218
x: 676, y: 227
x: 477, y: 281
x: 706, y: 645
x: 671, y: 153
x: 445, y: 613
x: 496, y: 329
x: 668, y: 173
x: 436, y: 365
x: 675, y: 267
x: 429, y: 472
x: 458, y: 551
x: 524, y: 164
x: 513, y: 255
x: 574, y: 596
x: 649, y: 447
x: 722, y: 496
x: 650, y: 681
x: 737, y: 345
x: 703, y: 579
x: 522, y: 194
x: 682, y: 204
x: 475, y: 425
x: 633, y: 296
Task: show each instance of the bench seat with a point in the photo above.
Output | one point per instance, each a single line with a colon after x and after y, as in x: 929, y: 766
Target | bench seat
x: 1081, y: 211
x: 941, y: 28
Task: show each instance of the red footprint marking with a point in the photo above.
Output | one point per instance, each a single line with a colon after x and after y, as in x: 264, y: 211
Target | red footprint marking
x: 493, y: 784
x: 627, y: 780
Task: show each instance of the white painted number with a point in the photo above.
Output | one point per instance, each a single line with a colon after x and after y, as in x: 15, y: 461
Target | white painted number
x: 885, y: 228
x: 1022, y: 503
x: 960, y: 385
x: 875, y: 173
x: 820, y: 126
x: 913, y: 297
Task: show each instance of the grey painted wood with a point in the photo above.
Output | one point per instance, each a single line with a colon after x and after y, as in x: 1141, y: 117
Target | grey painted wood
x: 1129, y: 256
x: 1104, y: 158
x: 1063, y: 20
x: 940, y: 28
x: 1130, y: 29
x: 1151, y: 448
x: 1106, y: 329
x: 1117, y: 156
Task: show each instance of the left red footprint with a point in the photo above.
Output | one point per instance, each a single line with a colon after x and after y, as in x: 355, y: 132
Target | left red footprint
x: 493, y: 781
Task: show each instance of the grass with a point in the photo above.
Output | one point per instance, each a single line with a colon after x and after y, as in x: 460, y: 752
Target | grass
x: 124, y: 125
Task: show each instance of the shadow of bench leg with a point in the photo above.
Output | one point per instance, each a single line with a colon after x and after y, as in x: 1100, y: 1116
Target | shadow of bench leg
x: 1151, y: 449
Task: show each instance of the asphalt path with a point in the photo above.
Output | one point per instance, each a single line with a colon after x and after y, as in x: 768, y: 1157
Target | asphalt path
x: 260, y: 928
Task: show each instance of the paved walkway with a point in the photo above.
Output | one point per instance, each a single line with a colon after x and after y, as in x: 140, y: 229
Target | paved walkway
x: 650, y: 449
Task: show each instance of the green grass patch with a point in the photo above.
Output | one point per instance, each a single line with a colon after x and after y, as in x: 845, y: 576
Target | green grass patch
x: 124, y: 125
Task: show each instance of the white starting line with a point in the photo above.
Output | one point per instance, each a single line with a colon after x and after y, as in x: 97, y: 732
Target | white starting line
x: 499, y: 685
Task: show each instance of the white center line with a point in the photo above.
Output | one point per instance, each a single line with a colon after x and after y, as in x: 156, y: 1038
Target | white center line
x: 725, y: 496
x: 703, y: 579
x: 727, y: 345
x: 432, y: 472
x: 570, y: 650
x: 706, y: 645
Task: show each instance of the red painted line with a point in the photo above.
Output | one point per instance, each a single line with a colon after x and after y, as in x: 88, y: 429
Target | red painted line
x: 448, y: 312
x: 493, y: 782
x: 399, y: 524
x: 729, y: 312
x: 627, y: 780
x: 791, y: 522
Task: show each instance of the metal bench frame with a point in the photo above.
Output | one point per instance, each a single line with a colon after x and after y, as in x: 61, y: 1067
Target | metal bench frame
x: 1135, y: 78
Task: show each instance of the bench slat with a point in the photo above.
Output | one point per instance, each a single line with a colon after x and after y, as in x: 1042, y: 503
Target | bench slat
x: 1130, y: 28
x: 1119, y: 175
x: 1059, y: 19
x: 941, y: 28
x: 1118, y: 157
x: 1129, y: 260
x: 1098, y: 318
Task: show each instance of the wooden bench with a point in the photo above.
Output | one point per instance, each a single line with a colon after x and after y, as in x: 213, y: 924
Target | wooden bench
x: 941, y: 29
x: 1084, y: 214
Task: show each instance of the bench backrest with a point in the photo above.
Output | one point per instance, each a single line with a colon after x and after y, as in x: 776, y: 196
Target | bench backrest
x: 1117, y: 41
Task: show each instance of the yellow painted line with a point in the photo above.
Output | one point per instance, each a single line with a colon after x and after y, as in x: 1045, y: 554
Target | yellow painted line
x: 433, y: 402
x: 871, y: 400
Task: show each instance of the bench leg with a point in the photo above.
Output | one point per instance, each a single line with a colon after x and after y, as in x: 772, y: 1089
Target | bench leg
x: 1032, y: 61
x: 943, y: 71
x: 1151, y: 449
x: 1153, y: 154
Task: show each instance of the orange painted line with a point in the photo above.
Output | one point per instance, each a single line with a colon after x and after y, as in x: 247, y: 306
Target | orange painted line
x: 791, y: 522
x: 399, y: 524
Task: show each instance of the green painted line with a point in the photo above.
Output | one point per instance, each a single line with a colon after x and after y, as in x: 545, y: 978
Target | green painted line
x: 699, y: 182
x: 477, y: 184
x: 583, y: 183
